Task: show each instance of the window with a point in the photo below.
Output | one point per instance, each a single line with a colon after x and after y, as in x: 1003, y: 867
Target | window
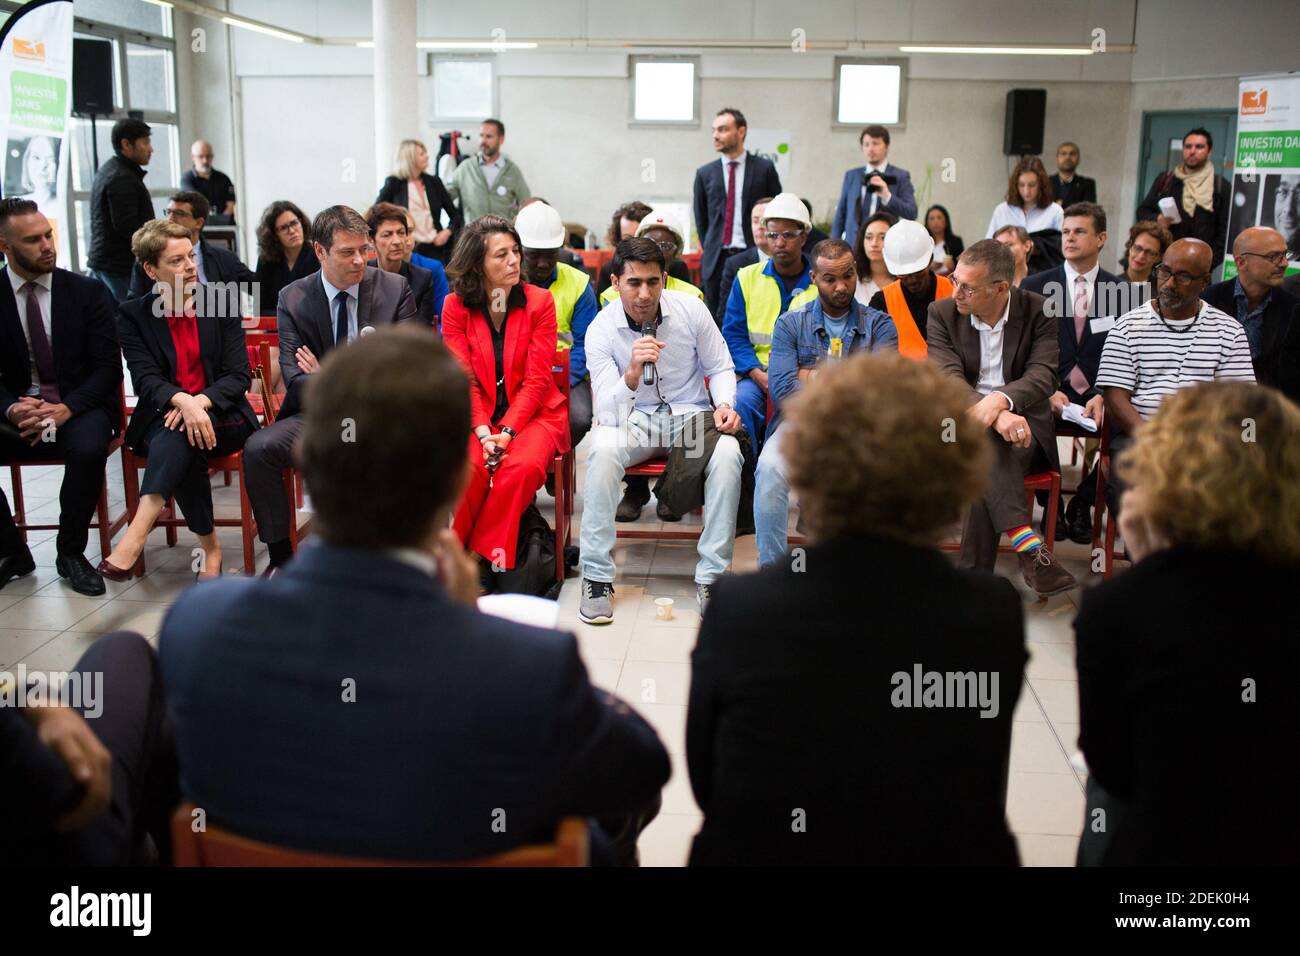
x: 463, y: 88
x: 665, y: 90
x: 869, y: 91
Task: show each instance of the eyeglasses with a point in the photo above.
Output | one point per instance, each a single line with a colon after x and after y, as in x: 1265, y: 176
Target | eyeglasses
x: 962, y: 289
x: 1276, y: 258
x: 179, y: 214
x: 787, y: 236
x: 288, y: 227
x: 1162, y: 272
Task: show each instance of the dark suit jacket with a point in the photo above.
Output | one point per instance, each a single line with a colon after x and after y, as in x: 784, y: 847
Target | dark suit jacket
x: 459, y: 720
x: 710, y: 204
x: 1030, y: 359
x: 219, y: 265
x: 421, y: 282
x: 730, y: 267
x: 1164, y: 652
x: 792, y: 706
x: 1111, y: 296
x: 1209, y: 227
x: 83, y: 338
x: 303, y: 318
x: 151, y: 360
x: 1276, y: 363
x: 397, y: 191
x: 902, y: 200
x: 1078, y: 189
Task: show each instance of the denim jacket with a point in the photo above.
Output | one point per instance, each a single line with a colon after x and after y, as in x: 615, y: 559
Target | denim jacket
x: 800, y: 340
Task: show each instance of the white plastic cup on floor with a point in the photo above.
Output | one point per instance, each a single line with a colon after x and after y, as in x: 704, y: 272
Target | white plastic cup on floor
x: 664, y: 608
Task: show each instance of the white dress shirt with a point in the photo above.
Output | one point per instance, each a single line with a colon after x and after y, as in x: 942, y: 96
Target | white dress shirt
x: 1071, y: 277
x: 42, y: 293
x: 354, y: 294
x: 738, y: 214
x: 992, y: 377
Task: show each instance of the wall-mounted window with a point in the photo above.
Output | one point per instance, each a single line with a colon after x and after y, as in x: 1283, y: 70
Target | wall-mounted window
x: 463, y: 87
x: 869, y: 91
x: 665, y: 90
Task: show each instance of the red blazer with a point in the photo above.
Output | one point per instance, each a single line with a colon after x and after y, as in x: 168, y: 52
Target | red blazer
x: 530, y: 354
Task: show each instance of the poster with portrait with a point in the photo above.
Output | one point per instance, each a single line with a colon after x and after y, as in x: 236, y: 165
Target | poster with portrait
x: 1266, y: 187
x: 35, y: 106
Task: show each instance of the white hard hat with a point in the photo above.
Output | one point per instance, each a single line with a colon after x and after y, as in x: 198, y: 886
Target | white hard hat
x: 539, y: 227
x: 787, y: 206
x: 908, y: 248
x: 658, y: 219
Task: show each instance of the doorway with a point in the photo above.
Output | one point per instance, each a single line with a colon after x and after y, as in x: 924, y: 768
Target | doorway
x: 1162, y: 142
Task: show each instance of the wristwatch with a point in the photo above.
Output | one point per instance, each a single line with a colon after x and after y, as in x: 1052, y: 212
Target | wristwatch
x: 507, y: 430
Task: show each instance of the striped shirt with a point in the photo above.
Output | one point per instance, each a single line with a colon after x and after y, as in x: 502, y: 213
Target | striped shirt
x: 1152, y: 357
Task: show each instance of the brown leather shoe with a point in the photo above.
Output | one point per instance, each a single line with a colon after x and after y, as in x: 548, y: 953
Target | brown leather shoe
x: 1043, y: 575
x: 113, y: 572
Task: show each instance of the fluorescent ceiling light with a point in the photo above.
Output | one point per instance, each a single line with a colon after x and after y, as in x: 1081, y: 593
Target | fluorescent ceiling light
x: 1004, y: 50
x: 459, y: 45
x: 259, y: 28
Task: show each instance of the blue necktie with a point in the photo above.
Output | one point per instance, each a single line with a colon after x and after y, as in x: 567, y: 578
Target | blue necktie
x: 341, y: 319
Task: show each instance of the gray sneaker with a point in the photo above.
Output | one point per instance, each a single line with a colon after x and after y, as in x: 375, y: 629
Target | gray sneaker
x: 597, y: 604
x: 702, y: 596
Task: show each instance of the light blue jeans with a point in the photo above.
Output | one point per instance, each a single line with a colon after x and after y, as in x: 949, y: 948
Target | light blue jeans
x: 643, y: 437
x: 772, y: 501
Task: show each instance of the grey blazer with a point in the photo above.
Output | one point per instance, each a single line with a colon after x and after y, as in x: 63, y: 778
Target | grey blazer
x: 303, y: 318
x: 1030, y: 356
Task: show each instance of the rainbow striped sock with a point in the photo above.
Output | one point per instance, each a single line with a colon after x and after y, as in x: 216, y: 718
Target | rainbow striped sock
x: 1024, y: 539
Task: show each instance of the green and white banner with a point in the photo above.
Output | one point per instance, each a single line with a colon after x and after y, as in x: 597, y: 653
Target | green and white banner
x: 35, y: 104
x: 1266, y: 183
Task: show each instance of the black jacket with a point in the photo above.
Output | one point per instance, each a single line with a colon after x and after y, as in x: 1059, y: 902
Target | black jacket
x: 119, y: 205
x: 219, y: 265
x: 1207, y: 776
x: 1209, y: 227
x: 1078, y: 189
x: 151, y: 360
x: 83, y: 338
x: 793, y: 709
x: 710, y: 203
x: 730, y: 266
x: 1278, y: 363
x: 681, y: 489
x: 274, y: 276
x: 397, y: 191
x: 1111, y: 297
x: 421, y: 282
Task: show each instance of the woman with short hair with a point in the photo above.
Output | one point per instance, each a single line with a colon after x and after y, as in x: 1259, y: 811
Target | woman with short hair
x: 413, y: 187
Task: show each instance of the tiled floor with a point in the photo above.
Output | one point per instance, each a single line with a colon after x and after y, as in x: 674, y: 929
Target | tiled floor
x: 48, y: 626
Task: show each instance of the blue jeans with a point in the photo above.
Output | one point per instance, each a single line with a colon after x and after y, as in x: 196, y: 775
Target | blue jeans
x: 751, y: 406
x: 641, y: 438
x: 772, y: 502
x: 117, y: 285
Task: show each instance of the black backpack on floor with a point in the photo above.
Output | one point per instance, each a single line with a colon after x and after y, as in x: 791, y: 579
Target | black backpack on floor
x: 534, y: 570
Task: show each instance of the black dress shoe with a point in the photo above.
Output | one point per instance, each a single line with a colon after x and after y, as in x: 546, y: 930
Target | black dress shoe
x: 1059, y: 530
x: 83, y: 578
x: 16, y: 565
x: 634, y: 499
x: 1080, y: 530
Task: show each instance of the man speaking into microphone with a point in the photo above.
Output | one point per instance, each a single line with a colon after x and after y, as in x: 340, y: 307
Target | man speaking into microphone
x: 649, y: 353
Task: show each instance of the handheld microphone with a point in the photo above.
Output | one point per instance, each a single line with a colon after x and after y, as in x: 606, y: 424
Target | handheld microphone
x: 648, y: 370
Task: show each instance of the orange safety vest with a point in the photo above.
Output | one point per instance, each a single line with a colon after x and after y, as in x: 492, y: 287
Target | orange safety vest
x: 910, y: 342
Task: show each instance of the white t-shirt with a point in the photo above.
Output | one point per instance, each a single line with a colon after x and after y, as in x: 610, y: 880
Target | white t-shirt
x: 1035, y: 220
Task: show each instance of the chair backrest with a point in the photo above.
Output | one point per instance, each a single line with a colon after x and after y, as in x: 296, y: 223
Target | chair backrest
x: 214, y: 846
x: 560, y: 371
x: 259, y: 354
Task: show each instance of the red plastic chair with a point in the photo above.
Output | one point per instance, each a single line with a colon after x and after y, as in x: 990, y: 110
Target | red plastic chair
x: 1111, y: 526
x: 564, y: 473
x: 1049, y: 481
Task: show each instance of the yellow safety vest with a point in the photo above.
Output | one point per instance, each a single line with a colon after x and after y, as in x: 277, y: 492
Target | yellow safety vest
x: 567, y: 288
x: 762, y: 297
x: 673, y: 284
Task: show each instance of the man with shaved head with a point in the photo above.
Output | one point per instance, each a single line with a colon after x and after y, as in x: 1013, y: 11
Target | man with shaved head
x: 1170, y: 342
x: 1269, y: 314
x: 212, y: 183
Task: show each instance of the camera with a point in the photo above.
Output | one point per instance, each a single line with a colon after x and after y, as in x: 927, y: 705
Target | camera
x: 872, y: 187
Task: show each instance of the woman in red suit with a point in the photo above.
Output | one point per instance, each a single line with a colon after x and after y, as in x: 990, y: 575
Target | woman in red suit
x: 503, y: 333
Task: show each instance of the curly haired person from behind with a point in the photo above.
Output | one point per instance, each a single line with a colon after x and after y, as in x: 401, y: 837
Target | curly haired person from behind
x: 1188, y: 660
x: 807, y: 676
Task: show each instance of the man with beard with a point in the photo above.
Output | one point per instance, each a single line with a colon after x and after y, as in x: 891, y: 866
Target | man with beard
x: 1200, y: 196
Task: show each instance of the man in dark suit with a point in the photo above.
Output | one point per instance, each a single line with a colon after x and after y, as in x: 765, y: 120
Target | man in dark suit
x: 725, y: 193
x: 375, y: 711
x: 1270, y: 316
x: 755, y: 253
x: 1084, y: 299
x: 60, y: 369
x: 315, y: 314
x: 1005, y: 347
x: 1200, y: 196
x: 879, y: 186
x: 391, y: 239
x: 190, y: 209
x: 1069, y: 186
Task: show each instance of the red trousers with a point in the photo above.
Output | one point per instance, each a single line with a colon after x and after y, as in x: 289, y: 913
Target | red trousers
x: 487, y: 518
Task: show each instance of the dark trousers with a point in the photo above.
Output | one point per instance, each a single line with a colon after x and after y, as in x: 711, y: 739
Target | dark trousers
x: 1098, y: 827
x: 268, y: 453
x: 1003, y: 504
x: 134, y: 727
x: 179, y: 470
x: 1119, y: 444
x: 82, y: 444
x: 579, y: 412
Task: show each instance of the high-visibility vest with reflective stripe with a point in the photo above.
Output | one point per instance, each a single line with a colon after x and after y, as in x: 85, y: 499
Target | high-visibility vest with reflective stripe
x: 673, y: 284
x: 567, y: 288
x: 910, y: 341
x: 762, y: 297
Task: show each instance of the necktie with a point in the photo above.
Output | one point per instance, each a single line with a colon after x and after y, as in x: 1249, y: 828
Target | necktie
x: 1079, y: 381
x: 341, y: 319
x: 730, y: 214
x: 41, y: 351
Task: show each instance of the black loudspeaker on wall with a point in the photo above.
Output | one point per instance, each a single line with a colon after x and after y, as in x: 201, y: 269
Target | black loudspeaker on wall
x: 1023, y: 133
x: 92, y: 77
